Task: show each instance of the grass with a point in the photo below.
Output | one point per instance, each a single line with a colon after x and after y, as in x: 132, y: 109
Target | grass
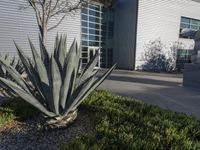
x: 122, y: 123
x: 15, y: 109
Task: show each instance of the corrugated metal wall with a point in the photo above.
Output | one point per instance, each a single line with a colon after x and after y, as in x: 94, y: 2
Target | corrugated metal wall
x: 161, y: 19
x: 125, y: 33
x: 17, y: 24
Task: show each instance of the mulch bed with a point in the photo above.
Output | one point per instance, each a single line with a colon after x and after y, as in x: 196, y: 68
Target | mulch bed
x: 25, y: 136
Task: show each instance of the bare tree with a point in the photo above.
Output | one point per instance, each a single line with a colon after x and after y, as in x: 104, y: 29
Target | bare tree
x: 46, y: 10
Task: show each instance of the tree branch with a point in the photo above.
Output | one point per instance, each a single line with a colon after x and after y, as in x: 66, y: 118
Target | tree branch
x: 59, y: 22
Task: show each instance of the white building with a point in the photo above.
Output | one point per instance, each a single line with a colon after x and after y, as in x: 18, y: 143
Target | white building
x: 121, y: 33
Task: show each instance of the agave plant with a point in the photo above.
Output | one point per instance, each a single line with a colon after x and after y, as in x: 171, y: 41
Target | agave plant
x: 57, y: 86
x: 15, y: 63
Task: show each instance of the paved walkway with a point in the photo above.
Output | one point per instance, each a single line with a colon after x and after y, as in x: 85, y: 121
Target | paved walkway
x: 164, y: 90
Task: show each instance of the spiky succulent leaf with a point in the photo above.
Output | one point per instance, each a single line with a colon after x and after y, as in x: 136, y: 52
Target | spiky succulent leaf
x: 14, y: 74
x: 81, y: 93
x: 89, y: 69
x: 69, y: 66
x: 55, y: 84
x: 27, y: 97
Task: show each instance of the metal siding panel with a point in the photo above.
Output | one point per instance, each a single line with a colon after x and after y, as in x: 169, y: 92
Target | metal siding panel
x: 161, y: 19
x: 17, y: 24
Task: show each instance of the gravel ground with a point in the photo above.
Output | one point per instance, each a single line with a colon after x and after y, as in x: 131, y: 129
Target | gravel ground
x: 24, y: 136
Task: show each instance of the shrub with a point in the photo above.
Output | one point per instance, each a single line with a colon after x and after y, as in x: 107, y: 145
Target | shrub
x: 122, y: 123
x: 54, y: 86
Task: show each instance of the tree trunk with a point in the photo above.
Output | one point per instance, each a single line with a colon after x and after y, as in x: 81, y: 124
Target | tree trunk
x: 43, y: 34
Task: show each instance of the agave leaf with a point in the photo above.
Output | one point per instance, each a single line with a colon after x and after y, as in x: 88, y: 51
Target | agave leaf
x: 62, y: 51
x: 56, y: 46
x: 39, y: 65
x: 32, y: 74
x: 88, y: 71
x: 55, y: 85
x: 15, y: 75
x: 68, y: 70
x: 42, y: 73
x: 81, y: 93
x: 26, y: 96
x: 86, y: 91
x: 85, y: 85
x: 75, y: 71
x: 24, y: 61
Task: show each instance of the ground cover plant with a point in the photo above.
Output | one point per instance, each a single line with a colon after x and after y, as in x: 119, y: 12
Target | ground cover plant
x: 122, y: 123
x: 54, y: 86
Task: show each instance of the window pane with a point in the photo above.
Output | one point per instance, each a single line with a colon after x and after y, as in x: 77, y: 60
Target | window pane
x: 93, y: 43
x: 94, y: 38
x: 84, y: 30
x: 84, y: 43
x: 96, y: 26
x: 93, y: 19
x: 185, y: 26
x: 185, y: 20
x: 84, y: 54
x: 84, y: 17
x: 84, y: 61
x: 194, y: 22
x: 84, y: 10
x: 84, y: 37
x: 93, y: 7
x: 93, y: 31
x: 84, y: 49
x: 84, y: 24
x: 94, y: 13
x: 194, y: 27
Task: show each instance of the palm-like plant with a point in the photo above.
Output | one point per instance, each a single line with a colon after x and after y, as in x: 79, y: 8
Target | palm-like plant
x: 55, y: 88
x: 15, y: 63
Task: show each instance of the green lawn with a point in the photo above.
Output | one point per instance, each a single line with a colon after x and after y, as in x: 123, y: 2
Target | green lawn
x: 122, y: 123
x: 15, y: 109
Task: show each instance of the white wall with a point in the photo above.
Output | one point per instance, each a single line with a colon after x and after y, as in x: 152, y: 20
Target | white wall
x: 161, y: 19
x: 16, y: 24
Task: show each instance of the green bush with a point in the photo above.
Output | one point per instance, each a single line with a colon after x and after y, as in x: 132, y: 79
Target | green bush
x: 122, y: 123
x: 16, y: 108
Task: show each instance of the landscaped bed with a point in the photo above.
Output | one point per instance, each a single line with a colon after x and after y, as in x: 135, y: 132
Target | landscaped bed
x: 105, y: 121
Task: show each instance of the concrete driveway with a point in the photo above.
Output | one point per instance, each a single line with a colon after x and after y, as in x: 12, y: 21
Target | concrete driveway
x: 164, y: 90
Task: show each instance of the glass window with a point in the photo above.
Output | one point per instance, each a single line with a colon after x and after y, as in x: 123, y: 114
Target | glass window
x: 84, y: 30
x: 84, y: 10
x: 94, y: 13
x: 93, y: 25
x: 185, y: 20
x: 94, y: 31
x: 93, y: 43
x: 94, y: 38
x: 94, y: 7
x: 85, y: 43
x: 84, y: 24
x: 84, y: 49
x: 183, y: 56
x: 84, y: 54
x: 189, y: 23
x: 93, y: 19
x: 84, y: 37
x: 84, y: 60
x: 84, y: 17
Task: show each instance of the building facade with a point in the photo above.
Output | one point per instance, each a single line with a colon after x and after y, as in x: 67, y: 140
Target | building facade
x: 121, y: 34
